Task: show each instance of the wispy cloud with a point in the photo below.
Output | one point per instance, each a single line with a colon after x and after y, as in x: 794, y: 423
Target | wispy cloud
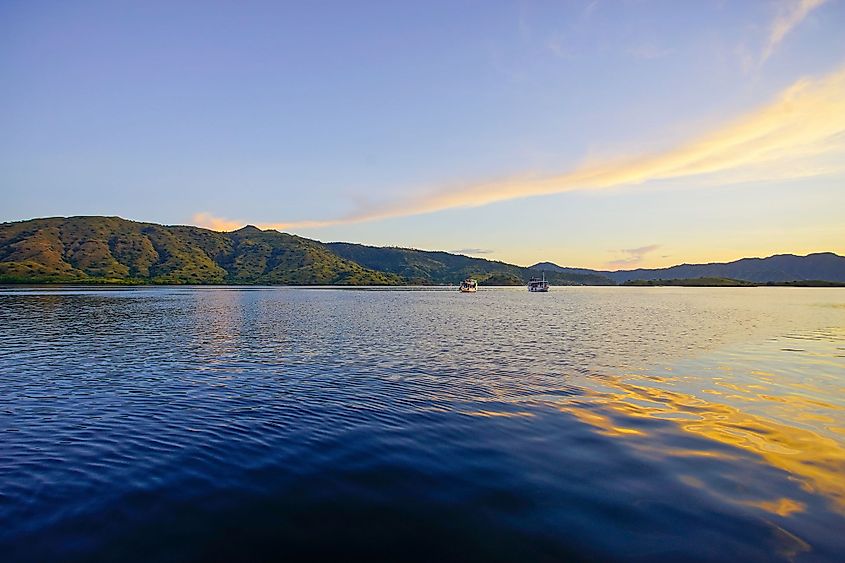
x: 632, y: 256
x: 648, y: 51
x: 806, y: 120
x: 792, y: 13
x: 472, y: 251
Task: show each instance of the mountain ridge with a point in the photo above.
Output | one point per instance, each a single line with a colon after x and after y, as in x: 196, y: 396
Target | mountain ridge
x: 446, y: 267
x: 98, y: 249
x: 112, y: 249
x: 827, y: 266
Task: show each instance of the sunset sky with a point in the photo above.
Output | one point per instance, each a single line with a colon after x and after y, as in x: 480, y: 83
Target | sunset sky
x: 594, y: 133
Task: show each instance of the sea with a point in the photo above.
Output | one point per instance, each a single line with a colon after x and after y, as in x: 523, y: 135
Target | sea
x: 422, y: 424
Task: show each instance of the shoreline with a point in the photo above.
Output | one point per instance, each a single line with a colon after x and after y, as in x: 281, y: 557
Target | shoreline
x: 433, y: 287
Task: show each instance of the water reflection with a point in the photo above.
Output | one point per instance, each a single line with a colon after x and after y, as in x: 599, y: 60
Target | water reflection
x: 590, y: 423
x: 628, y: 409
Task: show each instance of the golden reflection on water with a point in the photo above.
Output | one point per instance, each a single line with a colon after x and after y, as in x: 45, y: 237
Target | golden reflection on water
x: 781, y: 506
x: 792, y: 419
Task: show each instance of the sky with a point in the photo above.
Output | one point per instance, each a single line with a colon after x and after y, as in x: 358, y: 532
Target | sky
x: 591, y: 133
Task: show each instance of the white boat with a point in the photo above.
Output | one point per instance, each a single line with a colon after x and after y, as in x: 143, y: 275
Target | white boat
x: 538, y: 285
x: 469, y: 285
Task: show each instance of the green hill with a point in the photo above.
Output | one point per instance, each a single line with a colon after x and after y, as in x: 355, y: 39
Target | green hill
x: 426, y: 267
x: 114, y: 250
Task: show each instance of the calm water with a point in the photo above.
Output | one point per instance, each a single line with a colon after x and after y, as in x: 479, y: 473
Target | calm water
x: 587, y: 423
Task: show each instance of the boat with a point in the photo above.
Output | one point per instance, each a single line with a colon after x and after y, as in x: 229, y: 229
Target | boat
x: 469, y: 285
x: 538, y: 285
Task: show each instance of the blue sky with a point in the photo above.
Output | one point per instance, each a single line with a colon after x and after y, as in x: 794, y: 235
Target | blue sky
x: 523, y: 131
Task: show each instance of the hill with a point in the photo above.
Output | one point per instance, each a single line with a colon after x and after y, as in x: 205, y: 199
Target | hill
x: 426, y: 267
x: 780, y: 268
x: 115, y: 250
x: 111, y: 249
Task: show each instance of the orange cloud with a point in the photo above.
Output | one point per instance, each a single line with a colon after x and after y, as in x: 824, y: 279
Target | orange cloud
x: 806, y: 121
x: 209, y: 221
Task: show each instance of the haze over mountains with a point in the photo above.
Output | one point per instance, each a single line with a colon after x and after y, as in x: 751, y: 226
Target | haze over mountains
x: 779, y: 268
x: 115, y: 250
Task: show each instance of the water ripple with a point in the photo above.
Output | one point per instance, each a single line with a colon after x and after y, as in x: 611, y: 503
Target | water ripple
x: 589, y: 423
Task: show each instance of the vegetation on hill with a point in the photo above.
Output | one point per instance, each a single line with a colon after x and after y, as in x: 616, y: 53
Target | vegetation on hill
x: 114, y: 250
x: 426, y: 267
x: 806, y: 283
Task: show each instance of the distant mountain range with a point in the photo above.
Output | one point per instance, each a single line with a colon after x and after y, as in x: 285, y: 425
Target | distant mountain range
x: 115, y: 250
x: 825, y: 266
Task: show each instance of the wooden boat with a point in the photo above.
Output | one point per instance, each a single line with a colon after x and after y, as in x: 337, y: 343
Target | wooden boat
x: 538, y: 285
